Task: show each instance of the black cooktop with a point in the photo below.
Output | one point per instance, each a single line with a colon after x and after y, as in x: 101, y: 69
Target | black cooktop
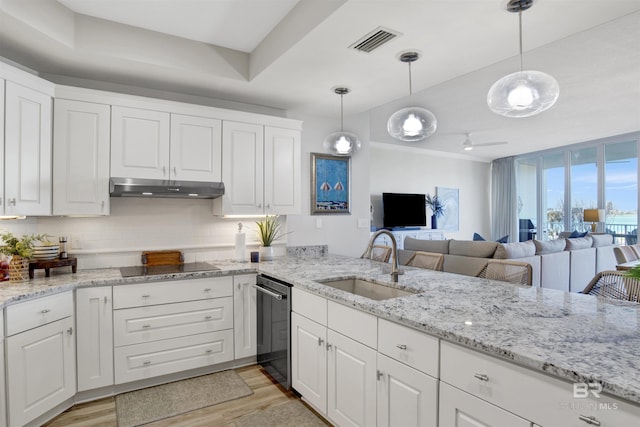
x: 142, y: 270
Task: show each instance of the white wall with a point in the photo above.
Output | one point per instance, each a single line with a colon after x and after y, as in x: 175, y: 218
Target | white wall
x: 340, y: 232
x: 415, y: 170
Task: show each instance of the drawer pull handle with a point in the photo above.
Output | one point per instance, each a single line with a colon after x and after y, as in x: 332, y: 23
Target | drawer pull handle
x: 320, y: 341
x: 208, y: 317
x: 481, y: 377
x: 209, y: 351
x: 402, y: 346
x: 146, y: 325
x: 106, y: 300
x: 207, y: 289
x: 145, y: 296
x: 45, y: 311
x: 146, y: 362
x: 379, y: 374
x: 589, y: 420
x: 70, y: 331
x: 329, y: 346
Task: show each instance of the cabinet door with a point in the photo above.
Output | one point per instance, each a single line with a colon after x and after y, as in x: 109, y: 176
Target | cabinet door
x: 41, y: 369
x: 244, y: 315
x: 282, y: 171
x: 309, y: 361
x: 351, y: 383
x: 81, y: 158
x: 139, y: 143
x: 458, y: 408
x: 27, y: 151
x: 196, y: 148
x: 95, y: 337
x: 242, y: 169
x: 3, y: 410
x: 2, y: 156
x: 406, y: 397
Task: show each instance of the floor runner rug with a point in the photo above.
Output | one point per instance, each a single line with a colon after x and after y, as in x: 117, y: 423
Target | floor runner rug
x: 290, y: 414
x: 155, y: 403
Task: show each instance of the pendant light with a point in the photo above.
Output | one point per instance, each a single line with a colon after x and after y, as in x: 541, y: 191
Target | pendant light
x: 342, y: 143
x: 413, y: 123
x: 524, y: 93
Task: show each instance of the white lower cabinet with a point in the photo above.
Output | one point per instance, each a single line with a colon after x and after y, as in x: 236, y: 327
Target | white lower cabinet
x: 461, y: 409
x: 94, y: 317
x: 41, y: 370
x: 406, y: 397
x: 309, y: 360
x: 351, y: 381
x: 244, y: 316
x: 154, y: 336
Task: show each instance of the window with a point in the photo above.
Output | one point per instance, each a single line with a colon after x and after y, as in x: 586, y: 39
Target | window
x: 621, y: 191
x: 584, y: 186
x: 527, y: 184
x: 553, y: 197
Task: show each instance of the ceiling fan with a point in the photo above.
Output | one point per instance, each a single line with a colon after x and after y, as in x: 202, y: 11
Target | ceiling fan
x: 468, y: 145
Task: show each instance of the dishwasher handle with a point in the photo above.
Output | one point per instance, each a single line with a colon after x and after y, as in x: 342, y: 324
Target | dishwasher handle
x: 269, y: 292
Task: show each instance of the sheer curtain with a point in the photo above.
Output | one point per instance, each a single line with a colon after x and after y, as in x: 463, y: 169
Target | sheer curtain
x: 504, y: 205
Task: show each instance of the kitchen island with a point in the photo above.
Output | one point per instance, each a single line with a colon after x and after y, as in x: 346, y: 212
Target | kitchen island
x: 574, y: 337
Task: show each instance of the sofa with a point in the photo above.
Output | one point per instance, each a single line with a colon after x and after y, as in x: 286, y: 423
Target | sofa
x: 566, y: 264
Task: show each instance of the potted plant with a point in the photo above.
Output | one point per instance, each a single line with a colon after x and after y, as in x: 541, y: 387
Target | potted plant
x: 20, y: 250
x: 437, y: 209
x: 269, y: 230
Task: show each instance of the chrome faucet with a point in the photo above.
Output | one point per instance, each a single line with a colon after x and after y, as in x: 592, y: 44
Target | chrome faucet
x: 395, y: 272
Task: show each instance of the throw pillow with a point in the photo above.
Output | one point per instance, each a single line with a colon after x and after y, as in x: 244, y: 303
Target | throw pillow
x: 579, y: 243
x: 575, y: 234
x: 515, y: 250
x: 550, y: 246
x: 601, y: 240
x: 479, y: 238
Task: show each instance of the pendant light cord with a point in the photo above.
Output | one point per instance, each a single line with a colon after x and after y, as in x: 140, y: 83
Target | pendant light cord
x: 341, y: 113
x: 520, y: 34
x: 410, y: 88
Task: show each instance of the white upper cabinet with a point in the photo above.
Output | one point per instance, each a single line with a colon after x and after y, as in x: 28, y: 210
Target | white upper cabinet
x: 161, y: 145
x: 139, y: 143
x: 261, y: 170
x: 282, y: 175
x: 242, y: 174
x: 1, y: 147
x: 196, y: 147
x: 81, y: 137
x: 27, y: 162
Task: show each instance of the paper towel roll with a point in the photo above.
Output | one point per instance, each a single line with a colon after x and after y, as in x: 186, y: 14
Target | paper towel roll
x: 240, y: 244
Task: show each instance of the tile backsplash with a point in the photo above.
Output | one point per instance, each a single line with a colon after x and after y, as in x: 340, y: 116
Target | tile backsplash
x: 137, y: 224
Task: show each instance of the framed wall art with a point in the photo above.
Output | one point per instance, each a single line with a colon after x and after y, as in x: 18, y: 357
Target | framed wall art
x: 451, y: 202
x: 330, y: 184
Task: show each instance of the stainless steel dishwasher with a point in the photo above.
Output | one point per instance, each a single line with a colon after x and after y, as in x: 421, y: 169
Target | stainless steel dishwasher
x: 274, y: 328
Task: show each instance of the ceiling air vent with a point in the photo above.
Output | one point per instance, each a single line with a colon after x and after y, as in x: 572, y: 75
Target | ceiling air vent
x: 374, y: 39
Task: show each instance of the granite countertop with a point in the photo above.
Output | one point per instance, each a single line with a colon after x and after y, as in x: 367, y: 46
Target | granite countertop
x: 572, y: 336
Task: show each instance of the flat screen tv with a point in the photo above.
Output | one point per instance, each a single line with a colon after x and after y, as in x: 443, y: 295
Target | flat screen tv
x: 403, y: 210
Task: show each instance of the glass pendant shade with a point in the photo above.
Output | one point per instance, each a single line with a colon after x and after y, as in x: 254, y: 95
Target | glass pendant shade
x: 342, y: 143
x: 523, y: 94
x: 412, y: 124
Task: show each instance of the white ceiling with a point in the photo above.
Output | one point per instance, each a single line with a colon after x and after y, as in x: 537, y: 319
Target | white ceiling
x: 288, y: 54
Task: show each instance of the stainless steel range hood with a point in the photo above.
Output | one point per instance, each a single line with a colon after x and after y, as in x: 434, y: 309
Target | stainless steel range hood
x: 135, y: 187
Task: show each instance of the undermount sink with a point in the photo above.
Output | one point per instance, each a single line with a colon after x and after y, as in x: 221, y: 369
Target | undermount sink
x: 366, y: 288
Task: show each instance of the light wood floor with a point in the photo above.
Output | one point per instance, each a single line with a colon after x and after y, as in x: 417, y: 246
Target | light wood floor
x: 266, y: 394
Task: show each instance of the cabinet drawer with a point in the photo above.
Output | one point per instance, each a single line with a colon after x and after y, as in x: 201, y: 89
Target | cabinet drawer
x: 145, y: 294
x: 311, y: 306
x: 158, y: 322
x: 535, y: 396
x: 406, y: 345
x: 140, y: 361
x: 355, y: 324
x: 30, y: 314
